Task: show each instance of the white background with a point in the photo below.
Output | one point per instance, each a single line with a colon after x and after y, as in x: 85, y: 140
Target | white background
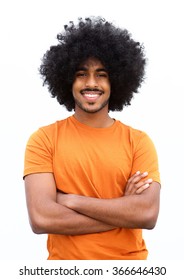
x: 28, y: 29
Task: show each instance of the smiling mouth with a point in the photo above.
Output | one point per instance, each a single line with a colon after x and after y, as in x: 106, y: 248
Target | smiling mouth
x: 91, y: 93
x: 91, y: 96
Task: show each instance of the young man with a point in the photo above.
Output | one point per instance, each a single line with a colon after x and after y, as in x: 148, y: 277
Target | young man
x: 92, y: 183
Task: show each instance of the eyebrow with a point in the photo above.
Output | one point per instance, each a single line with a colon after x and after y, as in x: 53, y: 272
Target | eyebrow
x: 97, y: 70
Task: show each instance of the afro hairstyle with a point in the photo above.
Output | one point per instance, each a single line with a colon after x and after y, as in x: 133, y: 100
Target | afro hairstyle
x: 94, y: 37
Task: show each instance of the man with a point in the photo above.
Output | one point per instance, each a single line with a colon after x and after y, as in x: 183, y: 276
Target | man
x: 92, y: 183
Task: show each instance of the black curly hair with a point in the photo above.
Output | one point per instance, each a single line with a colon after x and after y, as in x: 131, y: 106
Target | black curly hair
x: 94, y: 37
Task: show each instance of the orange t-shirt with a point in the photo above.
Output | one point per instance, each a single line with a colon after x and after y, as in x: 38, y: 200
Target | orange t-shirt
x: 94, y: 162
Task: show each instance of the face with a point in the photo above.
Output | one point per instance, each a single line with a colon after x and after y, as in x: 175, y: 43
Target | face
x: 91, y: 87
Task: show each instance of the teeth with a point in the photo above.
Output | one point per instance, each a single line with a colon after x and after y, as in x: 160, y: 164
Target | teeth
x: 91, y: 95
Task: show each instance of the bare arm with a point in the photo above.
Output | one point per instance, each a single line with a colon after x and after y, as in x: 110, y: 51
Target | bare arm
x: 48, y: 216
x: 137, y: 209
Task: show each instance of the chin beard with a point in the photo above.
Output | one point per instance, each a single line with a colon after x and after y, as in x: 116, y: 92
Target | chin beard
x: 91, y: 111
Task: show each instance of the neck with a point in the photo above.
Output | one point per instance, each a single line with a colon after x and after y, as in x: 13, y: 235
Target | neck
x: 100, y: 119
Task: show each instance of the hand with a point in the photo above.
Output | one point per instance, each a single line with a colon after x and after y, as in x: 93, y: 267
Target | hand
x: 61, y: 197
x: 135, y: 185
x: 65, y: 199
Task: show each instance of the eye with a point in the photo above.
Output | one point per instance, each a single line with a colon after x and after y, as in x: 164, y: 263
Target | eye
x: 102, y: 75
x: 80, y: 74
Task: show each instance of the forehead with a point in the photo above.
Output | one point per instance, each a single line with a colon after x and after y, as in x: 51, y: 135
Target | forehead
x: 92, y: 63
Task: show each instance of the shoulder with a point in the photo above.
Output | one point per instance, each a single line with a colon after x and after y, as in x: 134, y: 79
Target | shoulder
x: 136, y: 138
x: 133, y: 133
x: 47, y: 134
x: 50, y: 129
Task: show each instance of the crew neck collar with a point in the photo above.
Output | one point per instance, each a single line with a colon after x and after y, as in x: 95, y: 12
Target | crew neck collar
x: 90, y: 128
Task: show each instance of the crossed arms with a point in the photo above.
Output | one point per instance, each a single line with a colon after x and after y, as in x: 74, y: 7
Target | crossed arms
x: 54, y: 212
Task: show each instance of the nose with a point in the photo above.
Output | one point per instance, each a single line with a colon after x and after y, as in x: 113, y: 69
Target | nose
x: 91, y: 81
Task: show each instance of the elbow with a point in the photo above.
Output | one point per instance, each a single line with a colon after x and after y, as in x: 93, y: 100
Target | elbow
x: 150, y: 220
x: 37, y: 225
x: 150, y: 224
x: 37, y: 229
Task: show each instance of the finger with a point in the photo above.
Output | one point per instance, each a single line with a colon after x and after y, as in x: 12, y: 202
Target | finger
x: 135, y: 182
x: 134, y: 176
x: 142, y: 188
x: 142, y: 183
x: 150, y: 180
x: 138, y: 187
x: 137, y: 177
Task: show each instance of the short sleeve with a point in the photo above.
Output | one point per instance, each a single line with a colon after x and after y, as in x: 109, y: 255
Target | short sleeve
x: 145, y: 157
x: 38, y: 154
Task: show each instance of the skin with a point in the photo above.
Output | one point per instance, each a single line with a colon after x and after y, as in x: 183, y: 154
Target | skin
x: 138, y: 208
x: 92, y: 79
x: 51, y: 211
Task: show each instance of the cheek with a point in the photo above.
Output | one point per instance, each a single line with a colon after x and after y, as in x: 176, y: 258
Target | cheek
x: 108, y: 88
x: 74, y: 88
x: 77, y: 85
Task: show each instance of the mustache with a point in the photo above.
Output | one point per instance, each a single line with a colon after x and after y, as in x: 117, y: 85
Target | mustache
x: 92, y: 90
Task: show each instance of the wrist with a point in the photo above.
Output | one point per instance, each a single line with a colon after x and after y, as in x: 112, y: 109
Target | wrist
x: 76, y: 202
